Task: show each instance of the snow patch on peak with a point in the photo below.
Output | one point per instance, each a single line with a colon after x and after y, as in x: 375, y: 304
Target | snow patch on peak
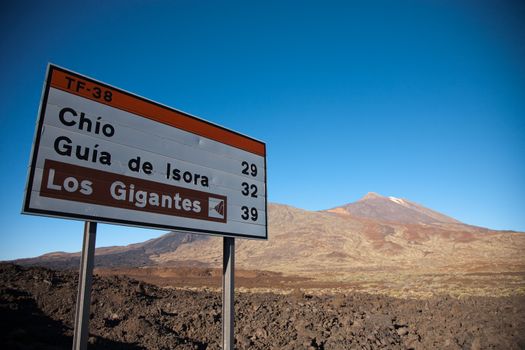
x: 398, y: 201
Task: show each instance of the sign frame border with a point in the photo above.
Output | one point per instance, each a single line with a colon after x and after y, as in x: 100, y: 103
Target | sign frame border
x: 26, y: 209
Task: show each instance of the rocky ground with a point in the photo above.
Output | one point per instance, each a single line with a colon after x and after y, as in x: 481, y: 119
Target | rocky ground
x: 37, y: 311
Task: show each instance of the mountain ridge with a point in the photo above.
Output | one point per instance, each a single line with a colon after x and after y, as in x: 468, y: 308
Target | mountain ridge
x: 379, y: 234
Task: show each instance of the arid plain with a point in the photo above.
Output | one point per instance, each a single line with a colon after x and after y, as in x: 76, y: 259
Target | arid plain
x: 381, y: 272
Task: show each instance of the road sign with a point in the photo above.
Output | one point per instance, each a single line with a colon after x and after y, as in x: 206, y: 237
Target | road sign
x: 105, y: 155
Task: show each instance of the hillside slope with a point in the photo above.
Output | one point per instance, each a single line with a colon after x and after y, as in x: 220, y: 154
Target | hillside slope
x: 374, y: 234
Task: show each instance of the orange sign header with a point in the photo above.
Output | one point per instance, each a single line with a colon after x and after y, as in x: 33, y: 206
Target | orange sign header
x: 100, y: 92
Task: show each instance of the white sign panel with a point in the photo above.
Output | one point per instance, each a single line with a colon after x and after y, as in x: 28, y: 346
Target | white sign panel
x: 103, y: 154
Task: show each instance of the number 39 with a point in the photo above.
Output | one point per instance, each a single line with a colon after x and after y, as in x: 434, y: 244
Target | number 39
x: 249, y: 213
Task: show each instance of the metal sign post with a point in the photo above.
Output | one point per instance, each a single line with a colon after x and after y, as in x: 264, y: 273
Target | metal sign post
x: 228, y: 315
x: 80, y: 338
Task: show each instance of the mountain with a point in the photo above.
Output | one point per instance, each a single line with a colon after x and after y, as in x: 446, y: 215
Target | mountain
x: 327, y: 245
x: 376, y: 233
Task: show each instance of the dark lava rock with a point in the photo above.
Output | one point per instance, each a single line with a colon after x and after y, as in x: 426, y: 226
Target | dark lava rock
x: 37, y: 311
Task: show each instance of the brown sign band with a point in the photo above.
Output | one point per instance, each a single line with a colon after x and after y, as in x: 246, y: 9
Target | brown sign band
x: 86, y: 185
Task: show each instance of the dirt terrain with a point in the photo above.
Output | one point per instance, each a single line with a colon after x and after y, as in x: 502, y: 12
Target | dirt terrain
x: 37, y: 309
x: 395, y: 283
x: 380, y: 273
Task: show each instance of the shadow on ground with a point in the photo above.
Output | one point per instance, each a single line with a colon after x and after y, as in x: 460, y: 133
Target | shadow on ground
x: 25, y: 326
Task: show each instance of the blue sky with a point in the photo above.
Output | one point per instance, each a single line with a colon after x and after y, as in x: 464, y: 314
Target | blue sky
x: 423, y: 100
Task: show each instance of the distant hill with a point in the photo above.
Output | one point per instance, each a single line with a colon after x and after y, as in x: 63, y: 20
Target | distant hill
x: 376, y: 233
x: 133, y: 255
